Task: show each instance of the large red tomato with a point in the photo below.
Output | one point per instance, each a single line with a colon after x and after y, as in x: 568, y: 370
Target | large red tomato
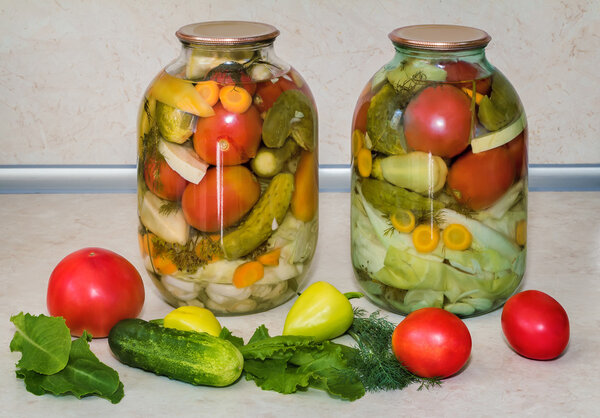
x: 93, y: 289
x: 267, y: 92
x: 223, y: 197
x: 518, y: 153
x: 228, y: 138
x: 438, y: 120
x: 535, y: 325
x: 432, y: 342
x: 479, y: 180
x: 457, y: 71
x: 162, y: 180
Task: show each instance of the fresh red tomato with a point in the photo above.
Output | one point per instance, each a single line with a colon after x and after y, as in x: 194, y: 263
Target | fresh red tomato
x: 479, y: 180
x: 457, y: 71
x: 432, y: 342
x: 518, y: 153
x: 223, y: 197
x: 438, y: 120
x: 237, y: 78
x: 535, y: 325
x: 268, y: 92
x: 162, y: 180
x: 228, y: 138
x: 93, y: 289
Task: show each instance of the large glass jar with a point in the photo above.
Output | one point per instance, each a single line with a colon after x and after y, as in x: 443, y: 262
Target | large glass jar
x: 439, y: 177
x: 227, y: 172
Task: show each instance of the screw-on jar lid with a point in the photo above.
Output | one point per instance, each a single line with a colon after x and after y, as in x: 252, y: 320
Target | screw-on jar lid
x: 440, y: 37
x: 227, y: 33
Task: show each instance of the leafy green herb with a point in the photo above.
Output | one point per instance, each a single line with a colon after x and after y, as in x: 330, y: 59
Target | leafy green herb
x: 384, y: 121
x: 168, y: 207
x: 45, y: 343
x: 375, y: 363
x: 190, y: 256
x: 501, y: 108
x: 287, y: 364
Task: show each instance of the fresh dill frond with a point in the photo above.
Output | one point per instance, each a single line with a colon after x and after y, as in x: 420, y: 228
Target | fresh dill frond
x: 168, y: 207
x: 374, y: 361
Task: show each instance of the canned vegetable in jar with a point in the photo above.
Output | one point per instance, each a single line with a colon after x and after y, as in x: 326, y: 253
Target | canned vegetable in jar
x: 439, y: 177
x: 227, y: 172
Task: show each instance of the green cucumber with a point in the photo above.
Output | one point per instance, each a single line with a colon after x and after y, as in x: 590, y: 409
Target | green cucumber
x: 269, y: 161
x: 192, y: 357
x: 264, y: 218
x: 498, y: 138
x: 388, y: 198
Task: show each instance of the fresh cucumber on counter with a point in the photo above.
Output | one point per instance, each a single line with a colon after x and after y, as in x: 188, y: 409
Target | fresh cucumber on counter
x: 193, y: 357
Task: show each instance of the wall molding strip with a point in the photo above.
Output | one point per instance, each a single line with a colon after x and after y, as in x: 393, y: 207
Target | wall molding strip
x: 27, y: 179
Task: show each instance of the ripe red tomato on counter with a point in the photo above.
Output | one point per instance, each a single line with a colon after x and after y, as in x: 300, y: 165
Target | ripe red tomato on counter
x: 223, y: 197
x: 228, y: 138
x: 479, y: 180
x: 535, y: 325
x: 93, y: 289
x: 438, y: 120
x: 162, y: 180
x: 432, y: 342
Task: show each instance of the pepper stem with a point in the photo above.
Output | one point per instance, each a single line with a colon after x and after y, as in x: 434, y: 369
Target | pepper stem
x: 353, y: 295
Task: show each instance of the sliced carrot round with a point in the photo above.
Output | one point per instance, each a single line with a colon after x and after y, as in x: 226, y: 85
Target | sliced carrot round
x: 235, y: 99
x: 403, y: 220
x: 426, y: 238
x: 358, y: 141
x: 247, y: 274
x: 209, y: 90
x: 364, y: 161
x: 457, y: 237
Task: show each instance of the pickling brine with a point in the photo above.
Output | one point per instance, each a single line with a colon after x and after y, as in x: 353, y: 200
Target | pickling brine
x: 227, y: 172
x: 439, y: 177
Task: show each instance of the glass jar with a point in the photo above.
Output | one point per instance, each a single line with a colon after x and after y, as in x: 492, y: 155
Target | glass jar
x: 227, y: 172
x: 439, y: 177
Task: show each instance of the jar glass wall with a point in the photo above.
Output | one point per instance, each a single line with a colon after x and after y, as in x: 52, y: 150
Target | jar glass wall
x: 227, y: 172
x: 439, y: 177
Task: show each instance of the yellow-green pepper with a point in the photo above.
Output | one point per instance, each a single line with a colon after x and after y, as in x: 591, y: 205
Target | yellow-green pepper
x: 321, y: 311
x: 193, y: 318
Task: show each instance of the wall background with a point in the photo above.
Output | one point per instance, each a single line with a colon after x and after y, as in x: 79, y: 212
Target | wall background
x: 72, y: 73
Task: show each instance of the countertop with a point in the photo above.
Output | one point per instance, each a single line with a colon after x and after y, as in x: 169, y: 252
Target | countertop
x: 563, y: 260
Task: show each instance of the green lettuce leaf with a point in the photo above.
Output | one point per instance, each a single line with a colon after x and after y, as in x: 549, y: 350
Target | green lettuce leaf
x: 287, y: 364
x: 83, y: 375
x: 43, y: 341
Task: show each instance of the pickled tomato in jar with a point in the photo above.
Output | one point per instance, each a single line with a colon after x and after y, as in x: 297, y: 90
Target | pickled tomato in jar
x: 439, y: 177
x: 227, y: 172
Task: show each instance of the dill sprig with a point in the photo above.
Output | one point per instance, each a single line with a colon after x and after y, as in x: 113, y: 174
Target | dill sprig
x: 378, y: 368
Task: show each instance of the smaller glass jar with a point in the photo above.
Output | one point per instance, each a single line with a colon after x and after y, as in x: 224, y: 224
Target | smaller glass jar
x: 227, y: 172
x: 439, y: 177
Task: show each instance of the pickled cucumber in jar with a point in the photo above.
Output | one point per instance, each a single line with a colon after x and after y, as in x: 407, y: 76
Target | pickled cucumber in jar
x: 227, y: 172
x: 439, y: 177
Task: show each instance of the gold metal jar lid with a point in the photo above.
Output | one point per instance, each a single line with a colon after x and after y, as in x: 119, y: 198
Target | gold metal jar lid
x: 227, y: 32
x: 440, y: 37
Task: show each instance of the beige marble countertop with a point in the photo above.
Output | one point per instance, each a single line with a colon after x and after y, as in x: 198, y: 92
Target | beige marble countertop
x: 37, y: 231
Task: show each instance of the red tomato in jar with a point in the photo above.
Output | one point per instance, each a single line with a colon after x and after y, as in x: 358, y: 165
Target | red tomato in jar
x: 438, y: 120
x: 268, y: 92
x: 479, y: 180
x: 432, y: 342
x: 457, y: 71
x: 535, y: 325
x: 93, y: 289
x: 518, y: 153
x: 228, y: 138
x: 162, y: 180
x: 223, y: 197
x: 236, y: 78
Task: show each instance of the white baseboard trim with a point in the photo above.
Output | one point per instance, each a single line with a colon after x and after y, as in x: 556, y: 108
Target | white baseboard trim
x: 332, y: 178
